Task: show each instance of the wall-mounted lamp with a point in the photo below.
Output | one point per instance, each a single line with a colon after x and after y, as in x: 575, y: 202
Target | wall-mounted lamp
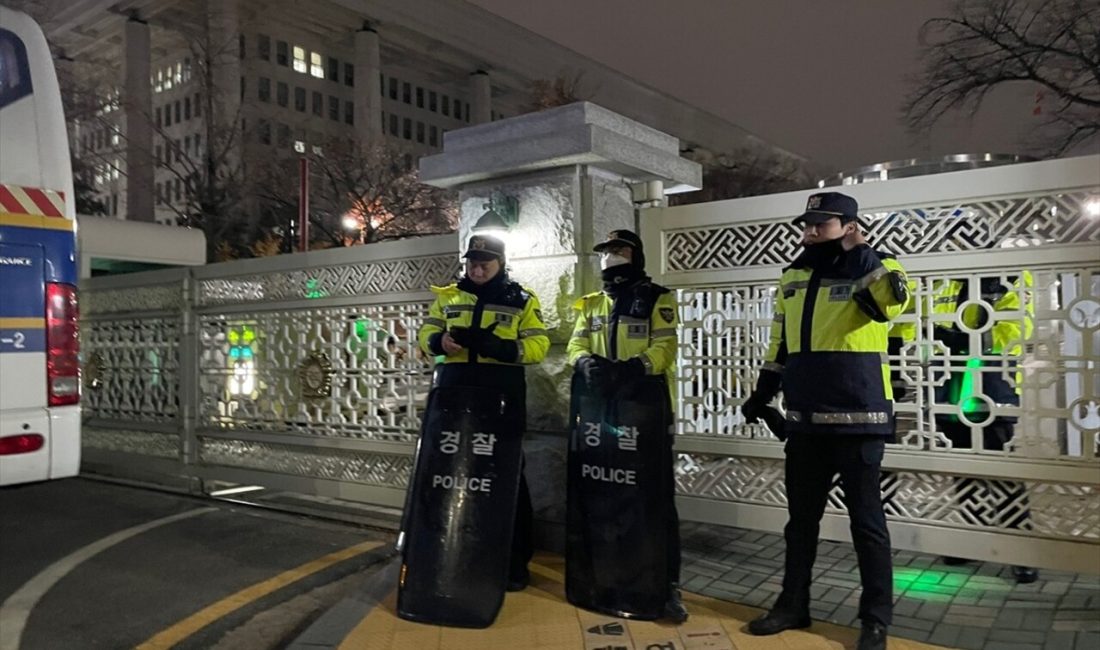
x: 501, y: 214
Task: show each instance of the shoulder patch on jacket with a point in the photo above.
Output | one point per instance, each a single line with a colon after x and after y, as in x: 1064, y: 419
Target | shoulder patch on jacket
x: 667, y: 313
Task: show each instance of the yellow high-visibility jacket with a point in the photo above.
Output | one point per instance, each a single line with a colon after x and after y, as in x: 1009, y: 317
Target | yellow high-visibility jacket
x: 828, y: 342
x: 647, y: 332
x: 1004, y: 336
x: 515, y: 311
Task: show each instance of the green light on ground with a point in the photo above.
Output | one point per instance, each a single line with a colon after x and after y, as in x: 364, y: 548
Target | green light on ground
x: 970, y: 404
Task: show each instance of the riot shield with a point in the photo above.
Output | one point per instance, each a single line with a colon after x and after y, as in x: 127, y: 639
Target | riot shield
x: 457, y: 525
x: 617, y: 503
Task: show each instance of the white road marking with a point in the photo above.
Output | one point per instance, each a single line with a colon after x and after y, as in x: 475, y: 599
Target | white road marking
x: 18, y: 607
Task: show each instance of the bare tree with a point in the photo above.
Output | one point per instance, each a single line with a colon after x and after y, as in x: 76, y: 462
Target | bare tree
x: 1051, y: 45
x: 561, y: 90
x: 747, y: 172
x: 374, y: 187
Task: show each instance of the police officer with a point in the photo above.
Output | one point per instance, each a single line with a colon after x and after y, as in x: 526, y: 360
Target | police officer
x: 827, y: 352
x: 488, y: 327
x: 625, y: 332
x: 1004, y: 337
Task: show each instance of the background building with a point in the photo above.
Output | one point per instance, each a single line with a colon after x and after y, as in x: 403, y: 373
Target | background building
x: 184, y: 99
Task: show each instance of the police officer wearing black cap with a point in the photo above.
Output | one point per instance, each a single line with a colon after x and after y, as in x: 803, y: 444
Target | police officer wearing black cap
x: 828, y: 354
x: 488, y: 328
x: 625, y: 332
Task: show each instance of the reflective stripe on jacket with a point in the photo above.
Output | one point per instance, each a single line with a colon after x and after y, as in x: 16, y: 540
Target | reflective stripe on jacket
x: 828, y: 341
x: 519, y: 320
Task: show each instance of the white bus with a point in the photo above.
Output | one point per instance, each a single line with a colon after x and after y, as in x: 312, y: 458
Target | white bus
x: 39, y: 348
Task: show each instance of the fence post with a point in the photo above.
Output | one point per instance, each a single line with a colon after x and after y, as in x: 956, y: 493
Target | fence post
x: 189, y: 352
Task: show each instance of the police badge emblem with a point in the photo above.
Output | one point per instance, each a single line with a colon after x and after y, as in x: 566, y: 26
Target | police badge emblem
x: 667, y: 313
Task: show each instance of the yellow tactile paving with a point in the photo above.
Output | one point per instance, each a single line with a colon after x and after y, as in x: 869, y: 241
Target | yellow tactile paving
x: 539, y: 618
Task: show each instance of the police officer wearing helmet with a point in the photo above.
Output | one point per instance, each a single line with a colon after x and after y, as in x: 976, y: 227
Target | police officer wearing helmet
x: 828, y: 354
x: 487, y: 328
x: 625, y: 332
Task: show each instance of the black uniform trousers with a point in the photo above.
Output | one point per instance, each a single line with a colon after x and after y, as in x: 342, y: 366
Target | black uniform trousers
x: 812, y: 461
x: 510, y: 380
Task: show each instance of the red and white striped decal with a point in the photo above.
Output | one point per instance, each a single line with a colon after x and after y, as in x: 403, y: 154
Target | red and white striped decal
x: 31, y: 201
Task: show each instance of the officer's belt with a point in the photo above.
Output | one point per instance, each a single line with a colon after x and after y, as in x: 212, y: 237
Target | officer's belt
x: 859, y: 417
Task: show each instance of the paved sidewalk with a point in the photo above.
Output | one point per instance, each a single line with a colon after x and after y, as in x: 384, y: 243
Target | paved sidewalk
x: 976, y: 606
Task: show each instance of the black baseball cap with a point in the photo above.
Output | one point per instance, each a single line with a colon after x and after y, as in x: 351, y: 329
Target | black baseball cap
x: 823, y: 206
x: 620, y: 238
x: 484, y: 247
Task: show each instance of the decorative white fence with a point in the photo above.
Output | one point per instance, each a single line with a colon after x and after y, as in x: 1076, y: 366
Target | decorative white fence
x: 297, y: 372
x: 1001, y: 223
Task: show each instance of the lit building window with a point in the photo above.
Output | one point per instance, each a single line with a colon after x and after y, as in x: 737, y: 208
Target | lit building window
x: 179, y: 73
x: 316, y: 68
x: 167, y: 78
x: 159, y: 85
x: 300, y: 59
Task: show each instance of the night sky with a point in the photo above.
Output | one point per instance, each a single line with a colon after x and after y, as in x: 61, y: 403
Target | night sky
x: 822, y: 79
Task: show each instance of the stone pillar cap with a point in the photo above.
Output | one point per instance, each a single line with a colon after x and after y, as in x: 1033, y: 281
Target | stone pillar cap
x: 576, y: 134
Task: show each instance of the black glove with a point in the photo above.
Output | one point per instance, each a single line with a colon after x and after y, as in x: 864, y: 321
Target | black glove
x: 488, y: 344
x: 956, y: 341
x: 775, y: 422
x: 596, y: 371
x: 753, y: 408
x: 461, y: 336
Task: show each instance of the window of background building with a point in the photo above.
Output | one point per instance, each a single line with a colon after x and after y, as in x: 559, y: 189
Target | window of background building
x: 406, y: 92
x: 334, y: 108
x: 167, y: 115
x: 179, y: 149
x: 179, y: 71
x: 431, y: 101
x: 178, y: 110
x: 433, y: 136
x: 198, y: 106
x: 446, y: 105
x: 179, y: 190
x: 284, y: 136
x: 349, y: 74
x: 198, y: 145
x: 282, y: 56
x: 282, y: 94
x: 187, y: 70
x: 240, y: 42
x: 186, y: 108
x: 159, y: 152
x: 264, y: 89
x: 318, y: 104
x: 393, y: 88
x: 333, y: 69
x: 393, y: 125
x: 420, y: 132
x: 316, y: 67
x: 242, y: 87
x: 263, y: 47
x: 264, y: 127
x: 158, y: 85
x: 159, y: 117
x: 114, y: 204
x: 382, y: 83
x: 407, y: 129
x: 299, y: 99
x: 419, y: 97
x: 160, y: 194
x: 300, y: 59
x: 349, y: 113
x: 187, y: 145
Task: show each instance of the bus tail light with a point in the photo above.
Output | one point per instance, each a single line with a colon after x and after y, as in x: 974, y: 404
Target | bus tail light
x: 23, y: 443
x: 62, y: 344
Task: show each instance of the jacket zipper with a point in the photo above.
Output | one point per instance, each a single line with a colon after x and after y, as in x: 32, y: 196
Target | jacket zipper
x: 807, y: 329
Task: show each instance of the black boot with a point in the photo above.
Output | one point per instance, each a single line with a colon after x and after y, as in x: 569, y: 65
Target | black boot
x: 872, y: 637
x: 776, y: 621
x: 1025, y: 574
x: 674, y: 607
x: 519, y: 581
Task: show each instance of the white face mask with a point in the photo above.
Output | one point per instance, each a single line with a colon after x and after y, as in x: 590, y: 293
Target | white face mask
x: 608, y: 260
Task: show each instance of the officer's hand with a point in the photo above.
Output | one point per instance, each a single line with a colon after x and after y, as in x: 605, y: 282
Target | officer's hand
x: 853, y: 237
x: 490, y: 345
x: 449, y: 344
x: 460, y: 336
x: 753, y: 408
x: 594, y: 369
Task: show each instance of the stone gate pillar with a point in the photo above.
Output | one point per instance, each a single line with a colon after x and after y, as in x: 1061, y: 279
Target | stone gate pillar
x: 558, y: 181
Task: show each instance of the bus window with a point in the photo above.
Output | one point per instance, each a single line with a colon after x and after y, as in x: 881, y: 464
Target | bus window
x: 15, y: 77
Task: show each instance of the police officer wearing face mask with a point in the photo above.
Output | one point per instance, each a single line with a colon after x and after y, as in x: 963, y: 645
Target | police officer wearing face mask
x: 828, y: 354
x: 488, y: 328
x: 624, y: 333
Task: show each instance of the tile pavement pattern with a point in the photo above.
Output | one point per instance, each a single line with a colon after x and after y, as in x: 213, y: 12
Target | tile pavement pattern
x: 974, y: 606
